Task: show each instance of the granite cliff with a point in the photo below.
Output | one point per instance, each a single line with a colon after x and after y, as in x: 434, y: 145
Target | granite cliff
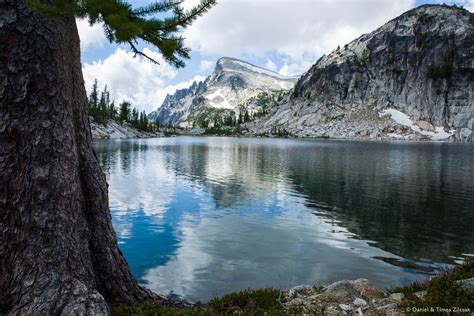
x: 411, y: 78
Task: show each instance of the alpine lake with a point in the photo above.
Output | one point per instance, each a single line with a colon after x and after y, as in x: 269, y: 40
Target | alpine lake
x: 205, y: 216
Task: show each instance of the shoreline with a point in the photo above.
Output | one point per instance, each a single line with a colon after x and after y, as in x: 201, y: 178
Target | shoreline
x: 114, y: 130
x: 451, y: 291
x: 316, y: 138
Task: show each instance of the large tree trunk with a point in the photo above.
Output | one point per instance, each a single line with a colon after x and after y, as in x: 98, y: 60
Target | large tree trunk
x: 58, y: 251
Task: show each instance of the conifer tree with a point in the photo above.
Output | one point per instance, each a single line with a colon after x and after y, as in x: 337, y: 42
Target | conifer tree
x: 124, y: 112
x: 246, y: 117
x: 158, y: 124
x: 58, y: 249
x: 104, y: 104
x: 112, y: 113
x: 93, y: 100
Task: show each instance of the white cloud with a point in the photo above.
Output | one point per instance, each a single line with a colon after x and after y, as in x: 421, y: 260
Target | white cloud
x: 134, y: 79
x: 299, y: 67
x: 270, y: 65
x: 469, y: 5
x: 205, y: 65
x: 299, y: 30
x: 91, y: 36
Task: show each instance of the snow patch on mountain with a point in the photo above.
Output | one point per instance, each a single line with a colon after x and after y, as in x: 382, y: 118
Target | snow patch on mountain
x: 403, y: 119
x: 218, y: 100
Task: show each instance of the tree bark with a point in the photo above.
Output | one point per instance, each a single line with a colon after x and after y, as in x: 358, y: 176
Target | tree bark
x: 58, y: 250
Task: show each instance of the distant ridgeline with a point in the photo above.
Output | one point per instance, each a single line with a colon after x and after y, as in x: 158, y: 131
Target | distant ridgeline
x: 412, y: 78
x: 102, y: 109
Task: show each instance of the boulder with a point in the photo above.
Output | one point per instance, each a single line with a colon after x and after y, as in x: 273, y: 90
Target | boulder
x: 345, y: 307
x: 359, y: 302
x: 426, y: 126
x: 388, y: 307
x: 367, y: 289
x: 348, y: 291
x: 467, y: 284
x: 466, y: 135
x: 421, y: 294
x: 397, y: 297
x: 305, y: 290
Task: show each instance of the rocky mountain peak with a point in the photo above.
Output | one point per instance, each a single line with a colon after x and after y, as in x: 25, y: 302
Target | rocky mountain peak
x: 224, y: 93
x: 234, y: 65
x: 419, y: 64
x: 413, y: 77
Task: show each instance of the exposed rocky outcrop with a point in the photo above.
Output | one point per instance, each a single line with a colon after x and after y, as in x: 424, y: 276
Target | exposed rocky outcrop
x: 420, y: 64
x: 357, y: 297
x: 467, y: 284
x: 360, y: 297
x: 170, y: 112
x: 225, y: 93
x: 114, y: 130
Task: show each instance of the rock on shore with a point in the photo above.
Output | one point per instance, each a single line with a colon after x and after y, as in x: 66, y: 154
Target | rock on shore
x: 352, y: 297
x: 355, y: 297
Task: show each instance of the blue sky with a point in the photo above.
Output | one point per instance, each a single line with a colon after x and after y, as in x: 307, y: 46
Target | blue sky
x: 286, y: 36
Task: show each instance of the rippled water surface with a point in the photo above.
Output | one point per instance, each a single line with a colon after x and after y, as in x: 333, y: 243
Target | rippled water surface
x: 201, y: 217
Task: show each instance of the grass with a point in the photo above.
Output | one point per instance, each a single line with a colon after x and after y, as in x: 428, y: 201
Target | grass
x: 441, y: 291
x: 247, y: 302
x: 154, y: 308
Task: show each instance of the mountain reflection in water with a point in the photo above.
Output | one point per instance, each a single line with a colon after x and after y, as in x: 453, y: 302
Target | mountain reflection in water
x: 206, y: 216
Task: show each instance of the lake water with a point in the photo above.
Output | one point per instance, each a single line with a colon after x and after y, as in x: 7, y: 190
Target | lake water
x: 200, y: 217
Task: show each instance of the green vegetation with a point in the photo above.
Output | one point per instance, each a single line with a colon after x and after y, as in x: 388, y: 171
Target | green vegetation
x: 213, y: 118
x: 247, y: 302
x: 390, y: 59
x: 279, y: 131
x: 225, y: 131
x: 423, y: 18
x: 442, y: 290
x: 466, y: 70
x: 364, y: 58
x: 471, y: 19
x: 171, y: 131
x: 420, y: 38
x: 442, y: 71
x: 152, y: 308
x: 264, y: 101
x: 103, y: 109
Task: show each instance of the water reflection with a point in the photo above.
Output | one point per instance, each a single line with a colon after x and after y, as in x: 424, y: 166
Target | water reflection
x: 205, y: 216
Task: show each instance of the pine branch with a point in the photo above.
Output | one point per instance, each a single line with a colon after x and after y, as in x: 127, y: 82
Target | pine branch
x: 124, y: 24
x: 136, y: 52
x: 157, y: 7
x: 187, y: 18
